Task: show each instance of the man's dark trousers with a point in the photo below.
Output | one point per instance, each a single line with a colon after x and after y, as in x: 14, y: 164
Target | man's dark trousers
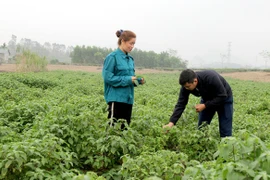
x: 225, y: 116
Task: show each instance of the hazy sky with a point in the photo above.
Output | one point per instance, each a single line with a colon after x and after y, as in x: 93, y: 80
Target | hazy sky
x: 199, y: 30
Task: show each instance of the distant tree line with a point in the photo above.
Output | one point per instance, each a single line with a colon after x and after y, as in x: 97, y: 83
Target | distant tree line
x: 92, y: 55
x: 151, y: 59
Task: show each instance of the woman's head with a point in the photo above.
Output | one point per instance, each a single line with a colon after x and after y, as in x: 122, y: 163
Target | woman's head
x: 126, y: 40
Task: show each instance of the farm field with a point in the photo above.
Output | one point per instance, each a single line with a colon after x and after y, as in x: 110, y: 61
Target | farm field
x: 54, y: 126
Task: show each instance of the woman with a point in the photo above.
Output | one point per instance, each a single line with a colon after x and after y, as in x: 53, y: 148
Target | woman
x: 119, y: 78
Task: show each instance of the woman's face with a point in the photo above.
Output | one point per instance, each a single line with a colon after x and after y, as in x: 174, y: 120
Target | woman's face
x: 127, y: 46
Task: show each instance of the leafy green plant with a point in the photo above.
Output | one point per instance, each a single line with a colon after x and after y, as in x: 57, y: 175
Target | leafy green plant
x: 18, y: 159
x: 88, y: 175
x: 163, y: 164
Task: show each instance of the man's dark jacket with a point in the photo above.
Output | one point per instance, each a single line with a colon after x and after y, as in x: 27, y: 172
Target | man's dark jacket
x: 211, y: 87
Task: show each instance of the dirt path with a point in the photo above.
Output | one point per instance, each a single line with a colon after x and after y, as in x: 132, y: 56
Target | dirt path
x: 253, y: 76
x: 12, y: 68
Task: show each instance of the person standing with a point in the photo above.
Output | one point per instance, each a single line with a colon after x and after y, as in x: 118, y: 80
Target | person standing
x: 216, y: 96
x: 119, y: 78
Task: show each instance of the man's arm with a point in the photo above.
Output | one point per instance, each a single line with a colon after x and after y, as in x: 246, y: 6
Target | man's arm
x: 180, y: 106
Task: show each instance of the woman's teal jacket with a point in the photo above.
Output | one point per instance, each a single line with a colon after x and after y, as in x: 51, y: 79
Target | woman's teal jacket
x: 118, y: 68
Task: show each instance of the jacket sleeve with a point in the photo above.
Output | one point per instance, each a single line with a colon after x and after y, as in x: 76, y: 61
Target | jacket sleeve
x: 180, y: 106
x: 220, y: 95
x: 108, y: 74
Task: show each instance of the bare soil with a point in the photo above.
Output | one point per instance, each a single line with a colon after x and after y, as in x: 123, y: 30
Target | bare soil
x: 253, y: 76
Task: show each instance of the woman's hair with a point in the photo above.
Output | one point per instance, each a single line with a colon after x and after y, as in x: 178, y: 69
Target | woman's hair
x: 124, y: 35
x: 187, y: 76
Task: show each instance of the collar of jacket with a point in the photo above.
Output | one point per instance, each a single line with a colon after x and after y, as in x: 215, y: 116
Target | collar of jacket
x: 199, y: 84
x: 119, y: 51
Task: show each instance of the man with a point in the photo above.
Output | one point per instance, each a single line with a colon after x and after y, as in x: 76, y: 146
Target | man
x: 216, y: 96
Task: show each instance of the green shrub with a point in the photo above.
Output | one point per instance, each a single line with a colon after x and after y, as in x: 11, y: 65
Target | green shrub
x: 30, y: 62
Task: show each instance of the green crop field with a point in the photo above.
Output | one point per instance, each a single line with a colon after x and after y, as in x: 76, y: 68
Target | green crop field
x: 53, y: 125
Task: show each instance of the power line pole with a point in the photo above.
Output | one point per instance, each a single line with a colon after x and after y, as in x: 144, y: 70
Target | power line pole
x: 222, y: 57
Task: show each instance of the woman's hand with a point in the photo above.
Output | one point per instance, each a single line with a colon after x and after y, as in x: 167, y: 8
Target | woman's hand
x: 133, y: 78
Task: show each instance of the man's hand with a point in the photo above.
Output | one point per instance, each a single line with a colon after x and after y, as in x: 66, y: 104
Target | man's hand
x: 168, y: 125
x: 199, y: 107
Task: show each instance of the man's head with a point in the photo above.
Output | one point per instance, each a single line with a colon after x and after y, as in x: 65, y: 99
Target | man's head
x: 188, y: 79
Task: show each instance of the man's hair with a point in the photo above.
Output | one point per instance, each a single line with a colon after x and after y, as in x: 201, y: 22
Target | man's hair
x: 187, y: 76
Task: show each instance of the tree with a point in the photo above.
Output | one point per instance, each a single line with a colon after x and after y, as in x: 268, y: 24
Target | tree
x: 12, y: 45
x: 98, y: 58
